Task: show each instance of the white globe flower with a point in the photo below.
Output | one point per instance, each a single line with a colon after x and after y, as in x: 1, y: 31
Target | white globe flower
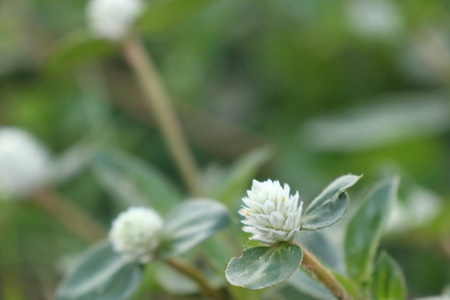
x: 112, y: 19
x: 25, y: 164
x: 271, y: 214
x: 136, y: 232
x: 375, y: 18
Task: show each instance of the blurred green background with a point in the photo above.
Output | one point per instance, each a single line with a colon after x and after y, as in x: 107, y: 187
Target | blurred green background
x: 332, y: 87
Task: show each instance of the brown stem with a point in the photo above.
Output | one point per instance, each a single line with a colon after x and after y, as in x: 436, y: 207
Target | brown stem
x: 196, y: 275
x: 321, y: 273
x: 159, y: 101
x: 69, y: 215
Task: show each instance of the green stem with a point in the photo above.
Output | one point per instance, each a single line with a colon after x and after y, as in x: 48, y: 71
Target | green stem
x: 197, y: 276
x: 69, y: 215
x: 322, y: 274
x: 159, y: 102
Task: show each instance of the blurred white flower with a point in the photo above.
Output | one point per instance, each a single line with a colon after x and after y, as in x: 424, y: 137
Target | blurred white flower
x: 112, y: 19
x: 25, y: 164
x: 420, y: 206
x: 375, y: 18
x: 271, y: 214
x: 135, y: 233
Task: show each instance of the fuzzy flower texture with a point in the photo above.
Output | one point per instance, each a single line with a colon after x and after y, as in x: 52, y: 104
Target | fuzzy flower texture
x: 112, y: 19
x: 136, y: 233
x: 25, y: 164
x: 271, y: 213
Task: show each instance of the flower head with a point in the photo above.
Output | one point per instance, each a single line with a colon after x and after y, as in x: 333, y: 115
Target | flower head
x: 271, y: 214
x: 112, y: 19
x: 135, y: 233
x: 25, y: 164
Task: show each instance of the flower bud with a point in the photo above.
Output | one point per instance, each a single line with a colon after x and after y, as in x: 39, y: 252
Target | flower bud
x: 271, y: 214
x: 25, y: 164
x: 112, y: 19
x: 135, y: 233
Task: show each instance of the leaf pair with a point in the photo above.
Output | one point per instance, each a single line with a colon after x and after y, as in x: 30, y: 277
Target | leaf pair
x: 262, y: 267
x: 361, y: 242
x: 105, y: 274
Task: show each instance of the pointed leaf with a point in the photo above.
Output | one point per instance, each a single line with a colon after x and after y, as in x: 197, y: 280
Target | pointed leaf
x: 327, y: 208
x: 77, y: 49
x: 133, y: 182
x: 262, y: 267
x: 388, y: 281
x: 364, y: 229
x: 191, y: 222
x: 101, y: 274
x: 162, y: 15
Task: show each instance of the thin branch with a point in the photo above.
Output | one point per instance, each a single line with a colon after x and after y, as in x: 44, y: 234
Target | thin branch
x: 321, y: 273
x: 196, y: 275
x: 69, y: 215
x: 160, y: 103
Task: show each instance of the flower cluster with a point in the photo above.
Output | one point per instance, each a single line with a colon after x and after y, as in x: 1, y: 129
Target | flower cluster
x: 25, y: 164
x: 136, y: 233
x: 112, y: 19
x: 271, y: 213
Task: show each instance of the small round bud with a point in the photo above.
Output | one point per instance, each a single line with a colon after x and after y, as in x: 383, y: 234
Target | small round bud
x: 271, y: 214
x: 112, y: 19
x: 25, y: 164
x: 135, y: 233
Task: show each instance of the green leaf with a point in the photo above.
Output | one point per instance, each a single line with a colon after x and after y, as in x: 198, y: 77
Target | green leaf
x: 133, y: 182
x: 191, y: 222
x: 162, y: 15
x: 348, y: 284
x: 364, y: 229
x: 388, y: 281
x: 101, y: 274
x: 77, y: 49
x: 262, y: 267
x: 233, y: 185
x: 327, y: 208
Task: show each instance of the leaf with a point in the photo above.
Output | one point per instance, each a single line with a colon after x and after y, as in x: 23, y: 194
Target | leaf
x: 327, y: 208
x: 304, y: 283
x: 388, y: 120
x: 101, y: 274
x: 348, y: 284
x: 72, y: 162
x: 162, y: 15
x: 317, y: 243
x: 262, y: 267
x: 388, y: 281
x: 364, y: 229
x: 133, y: 182
x: 191, y: 222
x: 233, y: 185
x: 77, y: 49
x: 174, y: 282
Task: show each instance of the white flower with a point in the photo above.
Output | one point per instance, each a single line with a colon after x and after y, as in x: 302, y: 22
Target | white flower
x: 112, y: 19
x: 25, y: 164
x: 375, y: 18
x: 135, y: 233
x: 271, y: 214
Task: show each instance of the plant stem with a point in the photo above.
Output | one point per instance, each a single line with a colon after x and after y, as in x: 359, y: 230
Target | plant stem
x: 69, y: 215
x: 196, y: 275
x: 159, y: 102
x: 321, y: 273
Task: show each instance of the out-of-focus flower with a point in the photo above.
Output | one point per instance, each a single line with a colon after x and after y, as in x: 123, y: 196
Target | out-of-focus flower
x: 25, y: 164
x: 271, y: 214
x: 112, y: 19
x: 136, y: 233
x: 375, y: 18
